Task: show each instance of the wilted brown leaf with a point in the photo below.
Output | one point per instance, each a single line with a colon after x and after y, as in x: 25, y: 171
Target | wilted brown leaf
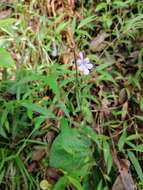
x: 5, y: 13
x: 124, y: 110
x: 32, y: 167
x: 122, y: 96
x: 98, y: 43
x: 124, y: 181
x: 53, y: 174
x: 38, y: 154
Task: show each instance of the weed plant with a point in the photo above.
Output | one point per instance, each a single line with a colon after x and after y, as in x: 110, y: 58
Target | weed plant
x: 61, y: 126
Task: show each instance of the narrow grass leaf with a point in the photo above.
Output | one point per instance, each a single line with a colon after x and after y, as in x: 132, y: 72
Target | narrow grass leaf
x: 61, y: 184
x: 86, y: 21
x: 75, y: 183
x: 122, y: 140
x: 6, y: 22
x: 136, y: 165
x: 39, y: 109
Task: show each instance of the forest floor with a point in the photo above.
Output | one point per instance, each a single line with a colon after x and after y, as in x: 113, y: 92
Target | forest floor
x: 71, y: 95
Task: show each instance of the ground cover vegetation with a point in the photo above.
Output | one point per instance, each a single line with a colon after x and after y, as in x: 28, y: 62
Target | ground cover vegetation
x: 71, y: 94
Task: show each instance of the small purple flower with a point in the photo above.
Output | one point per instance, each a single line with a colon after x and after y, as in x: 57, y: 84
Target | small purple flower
x: 83, y: 64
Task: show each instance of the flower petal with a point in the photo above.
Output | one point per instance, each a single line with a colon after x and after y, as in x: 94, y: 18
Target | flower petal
x: 86, y: 71
x: 83, y: 69
x: 86, y: 60
x: 79, y: 62
x: 81, y: 55
x: 89, y: 66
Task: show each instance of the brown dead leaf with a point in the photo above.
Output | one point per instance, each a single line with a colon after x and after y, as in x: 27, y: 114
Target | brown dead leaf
x: 32, y: 167
x: 122, y: 96
x: 124, y: 181
x: 124, y: 110
x: 5, y: 13
x: 118, y: 185
x: 98, y: 43
x: 50, y: 137
x: 53, y: 174
x: 67, y: 58
x: 38, y: 154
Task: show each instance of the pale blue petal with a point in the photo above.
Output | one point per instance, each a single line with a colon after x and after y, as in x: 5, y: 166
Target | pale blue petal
x: 85, y: 71
x: 81, y: 56
x: 86, y: 60
x: 89, y: 66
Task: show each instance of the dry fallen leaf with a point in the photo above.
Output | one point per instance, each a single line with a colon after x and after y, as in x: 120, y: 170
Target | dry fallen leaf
x: 5, y: 13
x: 124, y: 181
x: 32, y: 167
x: 38, y: 154
x: 118, y: 185
x: 124, y: 110
x: 98, y: 43
x: 53, y: 174
x: 122, y: 96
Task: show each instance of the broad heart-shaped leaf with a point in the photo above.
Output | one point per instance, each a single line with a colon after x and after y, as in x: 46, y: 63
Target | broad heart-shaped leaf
x: 6, y: 60
x: 71, y: 152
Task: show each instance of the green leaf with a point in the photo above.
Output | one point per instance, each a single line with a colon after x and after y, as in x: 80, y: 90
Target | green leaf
x: 61, y: 184
x: 141, y: 103
x: 138, y: 148
x: 107, y: 155
x: 37, y: 108
x: 75, y: 183
x: 101, y: 6
x: 6, y: 22
x: 122, y: 140
x: 71, y: 152
x: 103, y: 66
x: 86, y: 21
x: 133, y: 137
x: 100, y: 187
x: 120, y: 4
x: 136, y: 165
x: 2, y: 132
x: 60, y: 27
x: 51, y: 80
x: 6, y: 60
x: 139, y: 117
